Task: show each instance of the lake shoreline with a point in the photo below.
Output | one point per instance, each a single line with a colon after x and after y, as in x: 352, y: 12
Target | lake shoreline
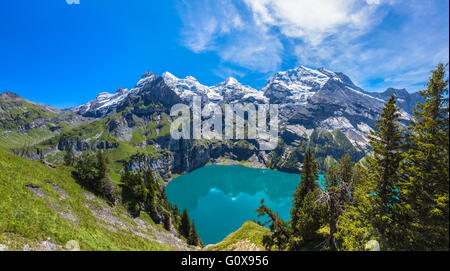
x: 223, y: 161
x: 220, y: 198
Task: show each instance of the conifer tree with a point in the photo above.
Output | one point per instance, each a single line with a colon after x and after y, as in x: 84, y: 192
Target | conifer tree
x: 281, y: 233
x: 309, y: 176
x: 194, y: 239
x: 383, y: 165
x: 150, y: 184
x: 355, y: 226
x: 69, y: 157
x: 101, y: 165
x: 91, y: 172
x: 425, y: 210
x: 185, y: 226
x: 338, y: 193
x: 133, y: 190
x: 306, y: 214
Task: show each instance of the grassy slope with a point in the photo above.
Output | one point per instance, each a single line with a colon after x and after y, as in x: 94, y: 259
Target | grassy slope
x: 28, y: 219
x: 15, y: 115
x: 248, y: 237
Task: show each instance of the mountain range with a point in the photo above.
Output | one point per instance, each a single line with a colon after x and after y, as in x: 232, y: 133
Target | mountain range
x: 318, y: 108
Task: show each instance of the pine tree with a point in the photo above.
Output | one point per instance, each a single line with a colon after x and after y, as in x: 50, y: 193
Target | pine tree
x: 133, y: 190
x: 279, y: 238
x: 306, y: 214
x: 354, y: 227
x: 309, y: 176
x: 338, y: 193
x: 101, y: 170
x: 185, y: 226
x: 383, y: 165
x: 69, y: 157
x: 194, y: 239
x: 101, y: 164
x: 150, y: 184
x: 91, y: 172
x: 425, y: 210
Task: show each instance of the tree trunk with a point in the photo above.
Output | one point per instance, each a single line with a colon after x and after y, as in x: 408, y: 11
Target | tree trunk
x: 333, y: 226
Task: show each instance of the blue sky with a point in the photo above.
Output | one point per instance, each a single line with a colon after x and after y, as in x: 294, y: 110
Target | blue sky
x: 63, y: 55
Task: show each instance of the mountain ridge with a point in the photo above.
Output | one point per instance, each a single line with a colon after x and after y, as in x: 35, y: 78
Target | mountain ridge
x: 316, y: 107
x: 300, y: 86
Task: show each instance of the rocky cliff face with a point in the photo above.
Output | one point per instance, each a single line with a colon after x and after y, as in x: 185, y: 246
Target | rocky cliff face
x: 313, y: 99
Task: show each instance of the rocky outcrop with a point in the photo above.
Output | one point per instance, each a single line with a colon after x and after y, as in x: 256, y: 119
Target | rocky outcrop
x: 184, y: 156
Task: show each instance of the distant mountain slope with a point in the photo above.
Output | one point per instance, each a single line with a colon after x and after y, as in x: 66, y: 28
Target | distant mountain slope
x: 26, y: 123
x: 308, y: 99
x: 404, y: 99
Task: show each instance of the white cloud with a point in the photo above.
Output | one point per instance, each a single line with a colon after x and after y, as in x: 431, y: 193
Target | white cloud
x: 204, y: 21
x: 342, y: 35
x: 221, y: 27
x: 248, y: 33
x: 314, y: 20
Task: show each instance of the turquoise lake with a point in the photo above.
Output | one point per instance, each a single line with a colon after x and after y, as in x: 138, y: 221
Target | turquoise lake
x: 221, y: 198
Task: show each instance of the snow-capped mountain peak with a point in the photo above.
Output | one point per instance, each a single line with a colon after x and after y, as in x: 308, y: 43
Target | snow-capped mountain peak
x: 102, y: 103
x: 231, y: 81
x: 308, y: 98
x: 145, y: 80
x: 298, y: 84
x: 187, y: 87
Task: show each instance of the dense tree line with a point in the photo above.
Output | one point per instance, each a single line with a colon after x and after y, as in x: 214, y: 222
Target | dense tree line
x: 396, y: 196
x: 90, y: 170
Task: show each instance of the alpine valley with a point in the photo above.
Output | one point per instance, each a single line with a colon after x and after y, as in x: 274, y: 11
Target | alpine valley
x: 319, y: 109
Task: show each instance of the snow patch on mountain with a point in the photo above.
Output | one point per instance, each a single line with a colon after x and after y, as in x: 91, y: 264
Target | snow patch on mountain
x: 232, y: 91
x: 307, y: 98
x: 103, y: 102
x: 298, y: 84
x: 188, y: 87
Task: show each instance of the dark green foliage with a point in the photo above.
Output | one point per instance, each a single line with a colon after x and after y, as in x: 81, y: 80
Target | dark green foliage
x: 306, y: 215
x: 134, y: 191
x: 423, y: 213
x: 383, y: 165
x: 401, y: 199
x: 69, y: 157
x: 141, y: 192
x: 338, y: 193
x: 150, y: 184
x: 185, y: 226
x: 309, y: 217
x: 91, y: 170
x: 167, y: 221
x: 309, y: 177
x: 194, y: 239
x: 279, y: 239
x: 354, y: 228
